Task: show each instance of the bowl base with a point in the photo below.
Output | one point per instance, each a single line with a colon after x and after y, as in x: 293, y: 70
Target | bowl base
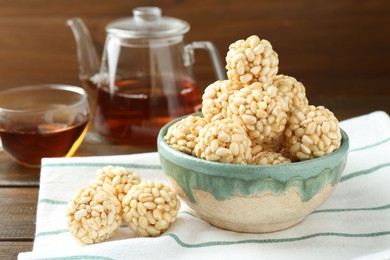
x: 271, y: 227
x: 267, y: 212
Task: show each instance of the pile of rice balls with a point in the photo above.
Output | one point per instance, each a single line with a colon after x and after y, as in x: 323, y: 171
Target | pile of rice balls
x: 256, y: 116
x: 119, y: 195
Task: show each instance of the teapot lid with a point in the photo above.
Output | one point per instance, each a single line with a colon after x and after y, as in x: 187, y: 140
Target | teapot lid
x: 147, y: 22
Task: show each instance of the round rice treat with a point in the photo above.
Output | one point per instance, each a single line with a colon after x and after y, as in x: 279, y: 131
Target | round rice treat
x: 150, y: 208
x: 118, y: 180
x: 182, y: 135
x: 94, y: 214
x: 251, y: 60
x: 261, y: 110
x: 215, y: 99
x: 312, y: 132
x: 267, y: 157
x: 224, y: 141
x: 293, y: 90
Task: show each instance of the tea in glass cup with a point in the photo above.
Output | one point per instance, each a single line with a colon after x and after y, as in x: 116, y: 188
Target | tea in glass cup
x: 42, y: 121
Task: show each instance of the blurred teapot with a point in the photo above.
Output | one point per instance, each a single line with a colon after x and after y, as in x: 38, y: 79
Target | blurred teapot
x: 145, y: 76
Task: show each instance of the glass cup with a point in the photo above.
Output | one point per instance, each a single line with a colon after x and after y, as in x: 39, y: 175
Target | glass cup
x: 42, y: 121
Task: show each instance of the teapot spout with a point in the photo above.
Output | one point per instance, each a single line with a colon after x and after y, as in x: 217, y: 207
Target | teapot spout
x: 86, y: 52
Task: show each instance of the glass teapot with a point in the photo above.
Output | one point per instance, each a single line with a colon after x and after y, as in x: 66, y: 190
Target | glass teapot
x: 145, y: 76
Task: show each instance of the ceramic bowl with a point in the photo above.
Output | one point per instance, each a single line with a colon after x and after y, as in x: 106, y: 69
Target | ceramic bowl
x: 252, y: 198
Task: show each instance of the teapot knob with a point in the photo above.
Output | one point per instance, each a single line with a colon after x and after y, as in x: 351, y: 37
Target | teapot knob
x: 146, y: 16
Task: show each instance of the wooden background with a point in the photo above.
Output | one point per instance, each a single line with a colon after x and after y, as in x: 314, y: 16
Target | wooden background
x: 339, y: 49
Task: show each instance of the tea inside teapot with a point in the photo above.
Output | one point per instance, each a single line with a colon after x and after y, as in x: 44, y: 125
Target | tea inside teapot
x: 138, y: 108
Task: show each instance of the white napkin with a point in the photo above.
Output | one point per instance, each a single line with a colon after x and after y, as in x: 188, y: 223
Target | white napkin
x: 353, y: 222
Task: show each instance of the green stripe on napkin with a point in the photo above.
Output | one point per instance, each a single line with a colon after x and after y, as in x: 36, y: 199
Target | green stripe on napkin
x: 370, y: 146
x: 364, y: 172
x: 78, y: 257
x: 97, y: 164
x: 277, y: 240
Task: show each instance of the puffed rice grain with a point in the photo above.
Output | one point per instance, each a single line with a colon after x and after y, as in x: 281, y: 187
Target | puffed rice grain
x: 183, y: 134
x: 224, y: 141
x: 293, y: 90
x: 118, y: 180
x: 271, y: 158
x: 215, y: 99
x: 150, y: 208
x: 251, y: 60
x: 94, y: 214
x: 261, y: 110
x: 312, y: 132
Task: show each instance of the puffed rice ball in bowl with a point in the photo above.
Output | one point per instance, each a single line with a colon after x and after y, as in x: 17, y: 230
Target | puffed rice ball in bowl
x: 251, y: 198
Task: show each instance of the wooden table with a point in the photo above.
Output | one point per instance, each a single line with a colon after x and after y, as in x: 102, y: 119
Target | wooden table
x: 19, y: 186
x: 338, y: 49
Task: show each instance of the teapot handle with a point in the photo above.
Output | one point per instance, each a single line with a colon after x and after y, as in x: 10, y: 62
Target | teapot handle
x: 214, y: 55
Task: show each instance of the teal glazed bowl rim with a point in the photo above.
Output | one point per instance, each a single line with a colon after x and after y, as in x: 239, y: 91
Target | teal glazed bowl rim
x: 281, y: 172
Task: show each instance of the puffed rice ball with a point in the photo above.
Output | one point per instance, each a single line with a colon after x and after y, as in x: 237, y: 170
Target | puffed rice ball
x: 293, y: 90
x: 149, y: 208
x: 93, y: 215
x: 224, y: 141
x: 118, y: 180
x: 312, y: 132
x: 271, y: 158
x: 261, y: 110
x: 182, y: 135
x: 215, y: 99
x: 251, y: 60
